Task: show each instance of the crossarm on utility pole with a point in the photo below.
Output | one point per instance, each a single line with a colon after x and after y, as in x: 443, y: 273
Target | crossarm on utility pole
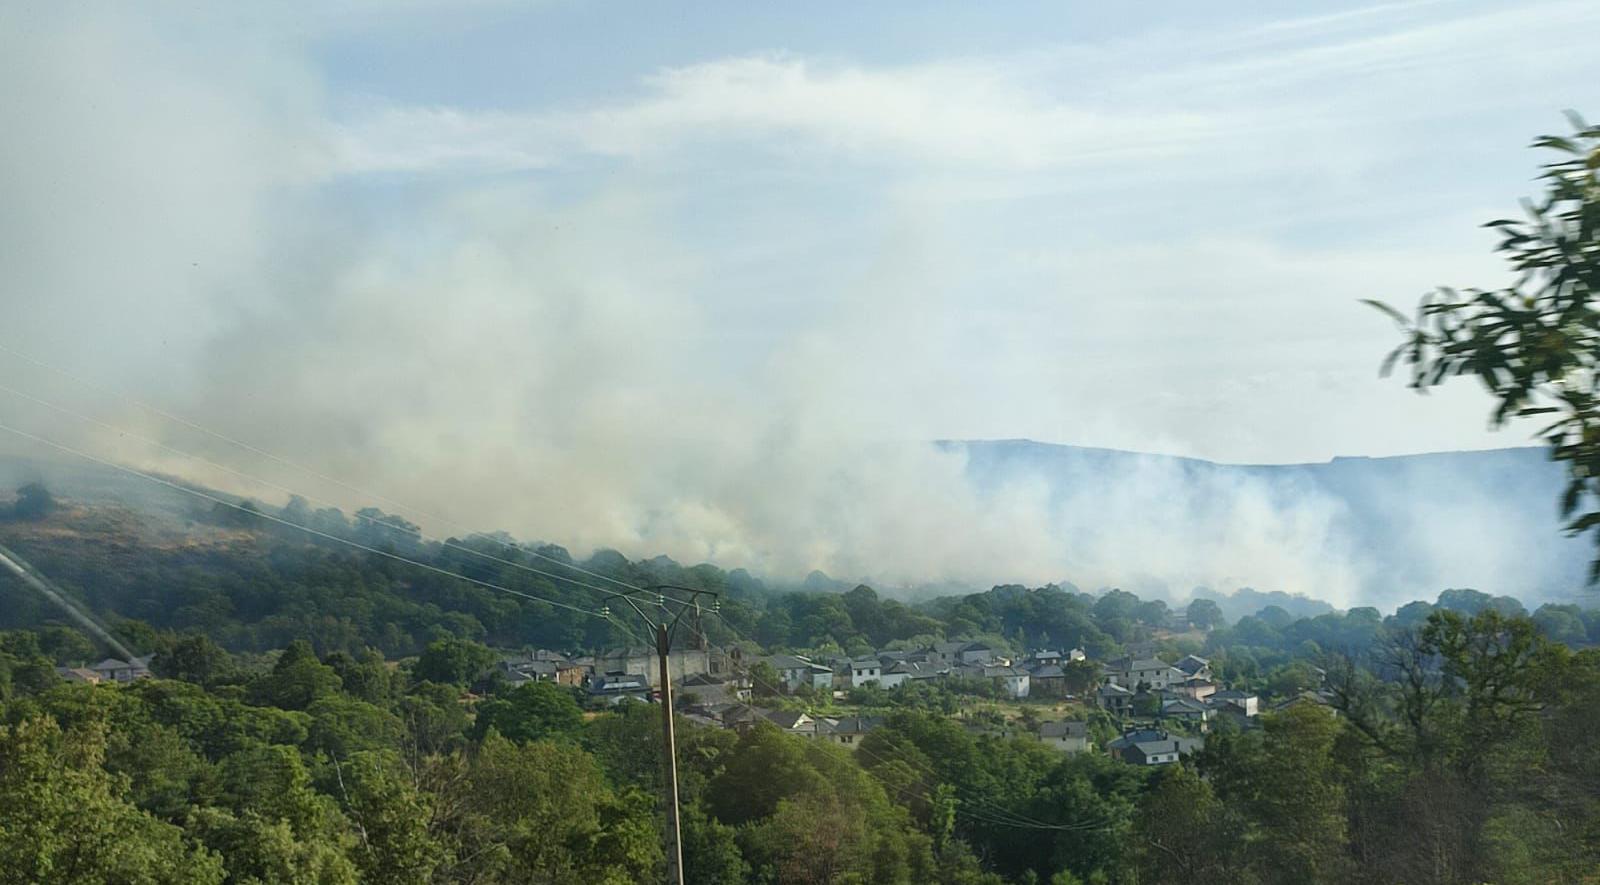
x: 669, y: 752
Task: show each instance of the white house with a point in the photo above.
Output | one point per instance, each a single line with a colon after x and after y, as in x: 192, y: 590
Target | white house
x: 796, y: 671
x: 114, y: 670
x: 1068, y: 735
x: 1194, y: 667
x: 1012, y: 680
x: 821, y: 676
x: 1240, y: 703
x: 1114, y: 699
x: 865, y: 671
x: 1152, y: 747
x: 616, y: 687
x: 900, y: 672
x: 681, y: 664
x: 846, y: 730
x: 1185, y: 710
x: 1132, y: 672
x: 793, y: 722
x: 977, y: 653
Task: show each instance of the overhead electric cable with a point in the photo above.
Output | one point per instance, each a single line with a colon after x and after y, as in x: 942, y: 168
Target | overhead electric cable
x: 294, y: 465
x: 308, y: 530
x: 456, y: 545
x: 1015, y: 819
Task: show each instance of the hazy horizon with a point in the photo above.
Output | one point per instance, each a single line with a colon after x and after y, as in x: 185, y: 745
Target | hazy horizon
x: 695, y: 281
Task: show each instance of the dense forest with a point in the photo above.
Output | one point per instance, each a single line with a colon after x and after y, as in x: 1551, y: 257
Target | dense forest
x: 319, y: 715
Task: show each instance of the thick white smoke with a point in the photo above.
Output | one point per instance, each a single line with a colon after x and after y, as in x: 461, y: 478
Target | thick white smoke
x: 517, y: 352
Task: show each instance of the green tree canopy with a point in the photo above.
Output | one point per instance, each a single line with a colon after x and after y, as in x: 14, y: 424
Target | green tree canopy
x: 1533, y: 345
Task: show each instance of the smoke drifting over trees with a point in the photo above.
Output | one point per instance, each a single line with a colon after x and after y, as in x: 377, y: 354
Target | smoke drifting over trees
x: 548, y: 333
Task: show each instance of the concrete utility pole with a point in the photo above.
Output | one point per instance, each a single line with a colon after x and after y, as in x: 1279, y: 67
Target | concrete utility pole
x: 664, y: 629
x: 669, y: 751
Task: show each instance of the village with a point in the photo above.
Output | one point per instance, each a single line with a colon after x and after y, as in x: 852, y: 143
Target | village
x: 1144, y: 710
x: 1150, y: 711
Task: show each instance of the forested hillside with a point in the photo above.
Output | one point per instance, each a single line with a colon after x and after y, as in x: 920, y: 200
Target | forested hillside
x: 321, y: 714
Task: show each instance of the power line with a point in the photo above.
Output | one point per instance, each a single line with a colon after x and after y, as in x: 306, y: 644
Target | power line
x: 307, y: 470
x: 33, y: 578
x: 290, y: 491
x: 307, y: 529
x: 286, y: 462
x: 1019, y: 820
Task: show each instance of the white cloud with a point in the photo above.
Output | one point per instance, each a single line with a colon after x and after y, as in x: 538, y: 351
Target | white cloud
x: 959, y: 115
x: 1190, y: 98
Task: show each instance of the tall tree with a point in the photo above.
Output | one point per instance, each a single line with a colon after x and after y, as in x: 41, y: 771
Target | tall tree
x: 1534, y: 345
x: 63, y: 819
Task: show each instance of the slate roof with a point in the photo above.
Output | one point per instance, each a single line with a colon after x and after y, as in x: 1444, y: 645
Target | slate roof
x: 788, y: 719
x: 1149, y: 742
x: 849, y: 725
x: 1126, y: 664
x: 1183, y: 706
x: 613, y: 683
x: 703, y: 679
x: 1064, y: 728
x: 740, y: 713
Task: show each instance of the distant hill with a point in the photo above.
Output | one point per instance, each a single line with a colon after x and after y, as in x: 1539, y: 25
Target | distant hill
x: 1352, y: 530
x: 98, y: 484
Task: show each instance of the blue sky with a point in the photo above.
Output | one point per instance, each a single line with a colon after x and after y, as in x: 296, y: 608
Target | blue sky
x: 1105, y: 215
x: 652, y: 256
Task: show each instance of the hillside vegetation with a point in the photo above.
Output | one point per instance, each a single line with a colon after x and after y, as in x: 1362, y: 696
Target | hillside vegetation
x: 320, y: 715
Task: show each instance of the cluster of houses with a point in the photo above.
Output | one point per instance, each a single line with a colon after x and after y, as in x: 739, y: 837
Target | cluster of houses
x: 545, y: 666
x: 1152, y: 746
x: 1181, y: 692
x: 108, y: 670
x: 1040, y: 674
x: 624, y: 673
x: 715, y: 688
x: 847, y: 731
